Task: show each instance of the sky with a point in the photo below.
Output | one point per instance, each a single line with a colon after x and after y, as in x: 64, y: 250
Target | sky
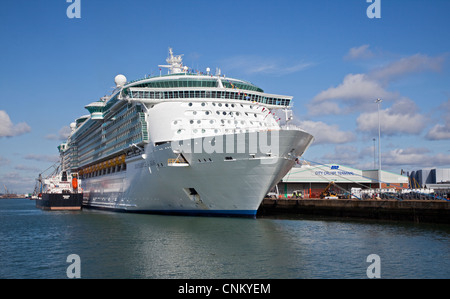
x: 328, y: 54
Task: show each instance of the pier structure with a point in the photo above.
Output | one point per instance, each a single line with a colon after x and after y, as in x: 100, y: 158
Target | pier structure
x: 429, y: 211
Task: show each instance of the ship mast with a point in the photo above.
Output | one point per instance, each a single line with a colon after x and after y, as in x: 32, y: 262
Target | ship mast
x: 175, y: 63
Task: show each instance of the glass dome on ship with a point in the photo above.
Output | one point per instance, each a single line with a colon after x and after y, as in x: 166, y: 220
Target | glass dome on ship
x: 183, y: 143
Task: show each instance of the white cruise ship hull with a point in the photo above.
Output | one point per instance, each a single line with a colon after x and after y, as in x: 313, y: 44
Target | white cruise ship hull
x: 229, y: 182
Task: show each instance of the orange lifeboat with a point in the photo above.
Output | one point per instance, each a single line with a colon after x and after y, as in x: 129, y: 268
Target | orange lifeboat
x: 75, y: 183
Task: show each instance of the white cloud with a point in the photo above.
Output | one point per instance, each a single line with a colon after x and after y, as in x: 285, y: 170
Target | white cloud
x: 401, y: 118
x: 343, y: 154
x: 361, y: 52
x: 414, y: 157
x: 44, y: 158
x: 63, y: 134
x: 252, y: 64
x: 408, y: 65
x: 358, y: 91
x: 441, y: 131
x: 8, y: 129
x: 27, y: 168
x: 324, y: 133
x: 4, y: 161
x: 18, y: 183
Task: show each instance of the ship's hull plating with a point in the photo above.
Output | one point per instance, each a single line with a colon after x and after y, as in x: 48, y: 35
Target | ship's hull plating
x: 232, y: 181
x: 60, y: 202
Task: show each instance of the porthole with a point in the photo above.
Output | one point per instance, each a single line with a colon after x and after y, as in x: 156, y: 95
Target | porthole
x: 190, y: 104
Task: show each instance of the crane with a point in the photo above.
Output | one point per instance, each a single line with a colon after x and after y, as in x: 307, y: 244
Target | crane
x: 328, y: 194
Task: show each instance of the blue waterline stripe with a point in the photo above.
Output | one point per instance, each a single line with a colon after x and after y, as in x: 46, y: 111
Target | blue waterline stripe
x: 236, y: 213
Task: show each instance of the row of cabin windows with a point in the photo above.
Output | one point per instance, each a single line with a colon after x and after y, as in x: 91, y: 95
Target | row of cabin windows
x: 187, y: 94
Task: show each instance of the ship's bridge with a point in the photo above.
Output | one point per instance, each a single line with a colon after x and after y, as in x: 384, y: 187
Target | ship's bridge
x: 193, y: 86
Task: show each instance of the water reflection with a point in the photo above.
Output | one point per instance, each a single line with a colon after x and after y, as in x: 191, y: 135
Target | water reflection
x: 35, y: 244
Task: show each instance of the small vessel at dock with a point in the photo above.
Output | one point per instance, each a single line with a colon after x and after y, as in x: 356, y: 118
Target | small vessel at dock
x: 57, y: 192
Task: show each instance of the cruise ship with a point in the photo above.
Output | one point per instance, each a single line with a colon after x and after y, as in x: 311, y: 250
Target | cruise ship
x: 185, y: 142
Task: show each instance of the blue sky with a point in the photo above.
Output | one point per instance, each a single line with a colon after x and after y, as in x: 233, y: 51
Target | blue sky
x: 328, y: 54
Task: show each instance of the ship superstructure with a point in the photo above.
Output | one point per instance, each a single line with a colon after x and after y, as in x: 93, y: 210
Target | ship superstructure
x: 184, y: 143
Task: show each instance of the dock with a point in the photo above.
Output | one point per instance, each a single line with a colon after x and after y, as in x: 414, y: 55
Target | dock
x: 428, y: 211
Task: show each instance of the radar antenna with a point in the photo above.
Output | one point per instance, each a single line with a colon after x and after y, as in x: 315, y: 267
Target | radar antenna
x: 175, y: 63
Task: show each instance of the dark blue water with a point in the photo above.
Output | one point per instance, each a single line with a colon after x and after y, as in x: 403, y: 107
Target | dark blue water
x: 36, y: 244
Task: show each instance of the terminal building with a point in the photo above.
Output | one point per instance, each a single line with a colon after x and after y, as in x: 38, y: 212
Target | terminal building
x: 312, y: 180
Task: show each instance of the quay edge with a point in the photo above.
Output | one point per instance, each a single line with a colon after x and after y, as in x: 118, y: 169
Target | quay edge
x: 436, y: 211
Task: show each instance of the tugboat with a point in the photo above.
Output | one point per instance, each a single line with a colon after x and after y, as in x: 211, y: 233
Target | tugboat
x: 58, y: 193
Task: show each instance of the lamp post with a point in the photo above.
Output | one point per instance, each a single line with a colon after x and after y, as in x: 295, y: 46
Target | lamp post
x: 374, y: 155
x: 378, y: 101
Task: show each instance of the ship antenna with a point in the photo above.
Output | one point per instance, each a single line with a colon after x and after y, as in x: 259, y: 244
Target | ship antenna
x: 175, y: 63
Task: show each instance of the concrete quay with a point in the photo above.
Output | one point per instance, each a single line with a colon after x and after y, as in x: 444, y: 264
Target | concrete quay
x: 430, y: 211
